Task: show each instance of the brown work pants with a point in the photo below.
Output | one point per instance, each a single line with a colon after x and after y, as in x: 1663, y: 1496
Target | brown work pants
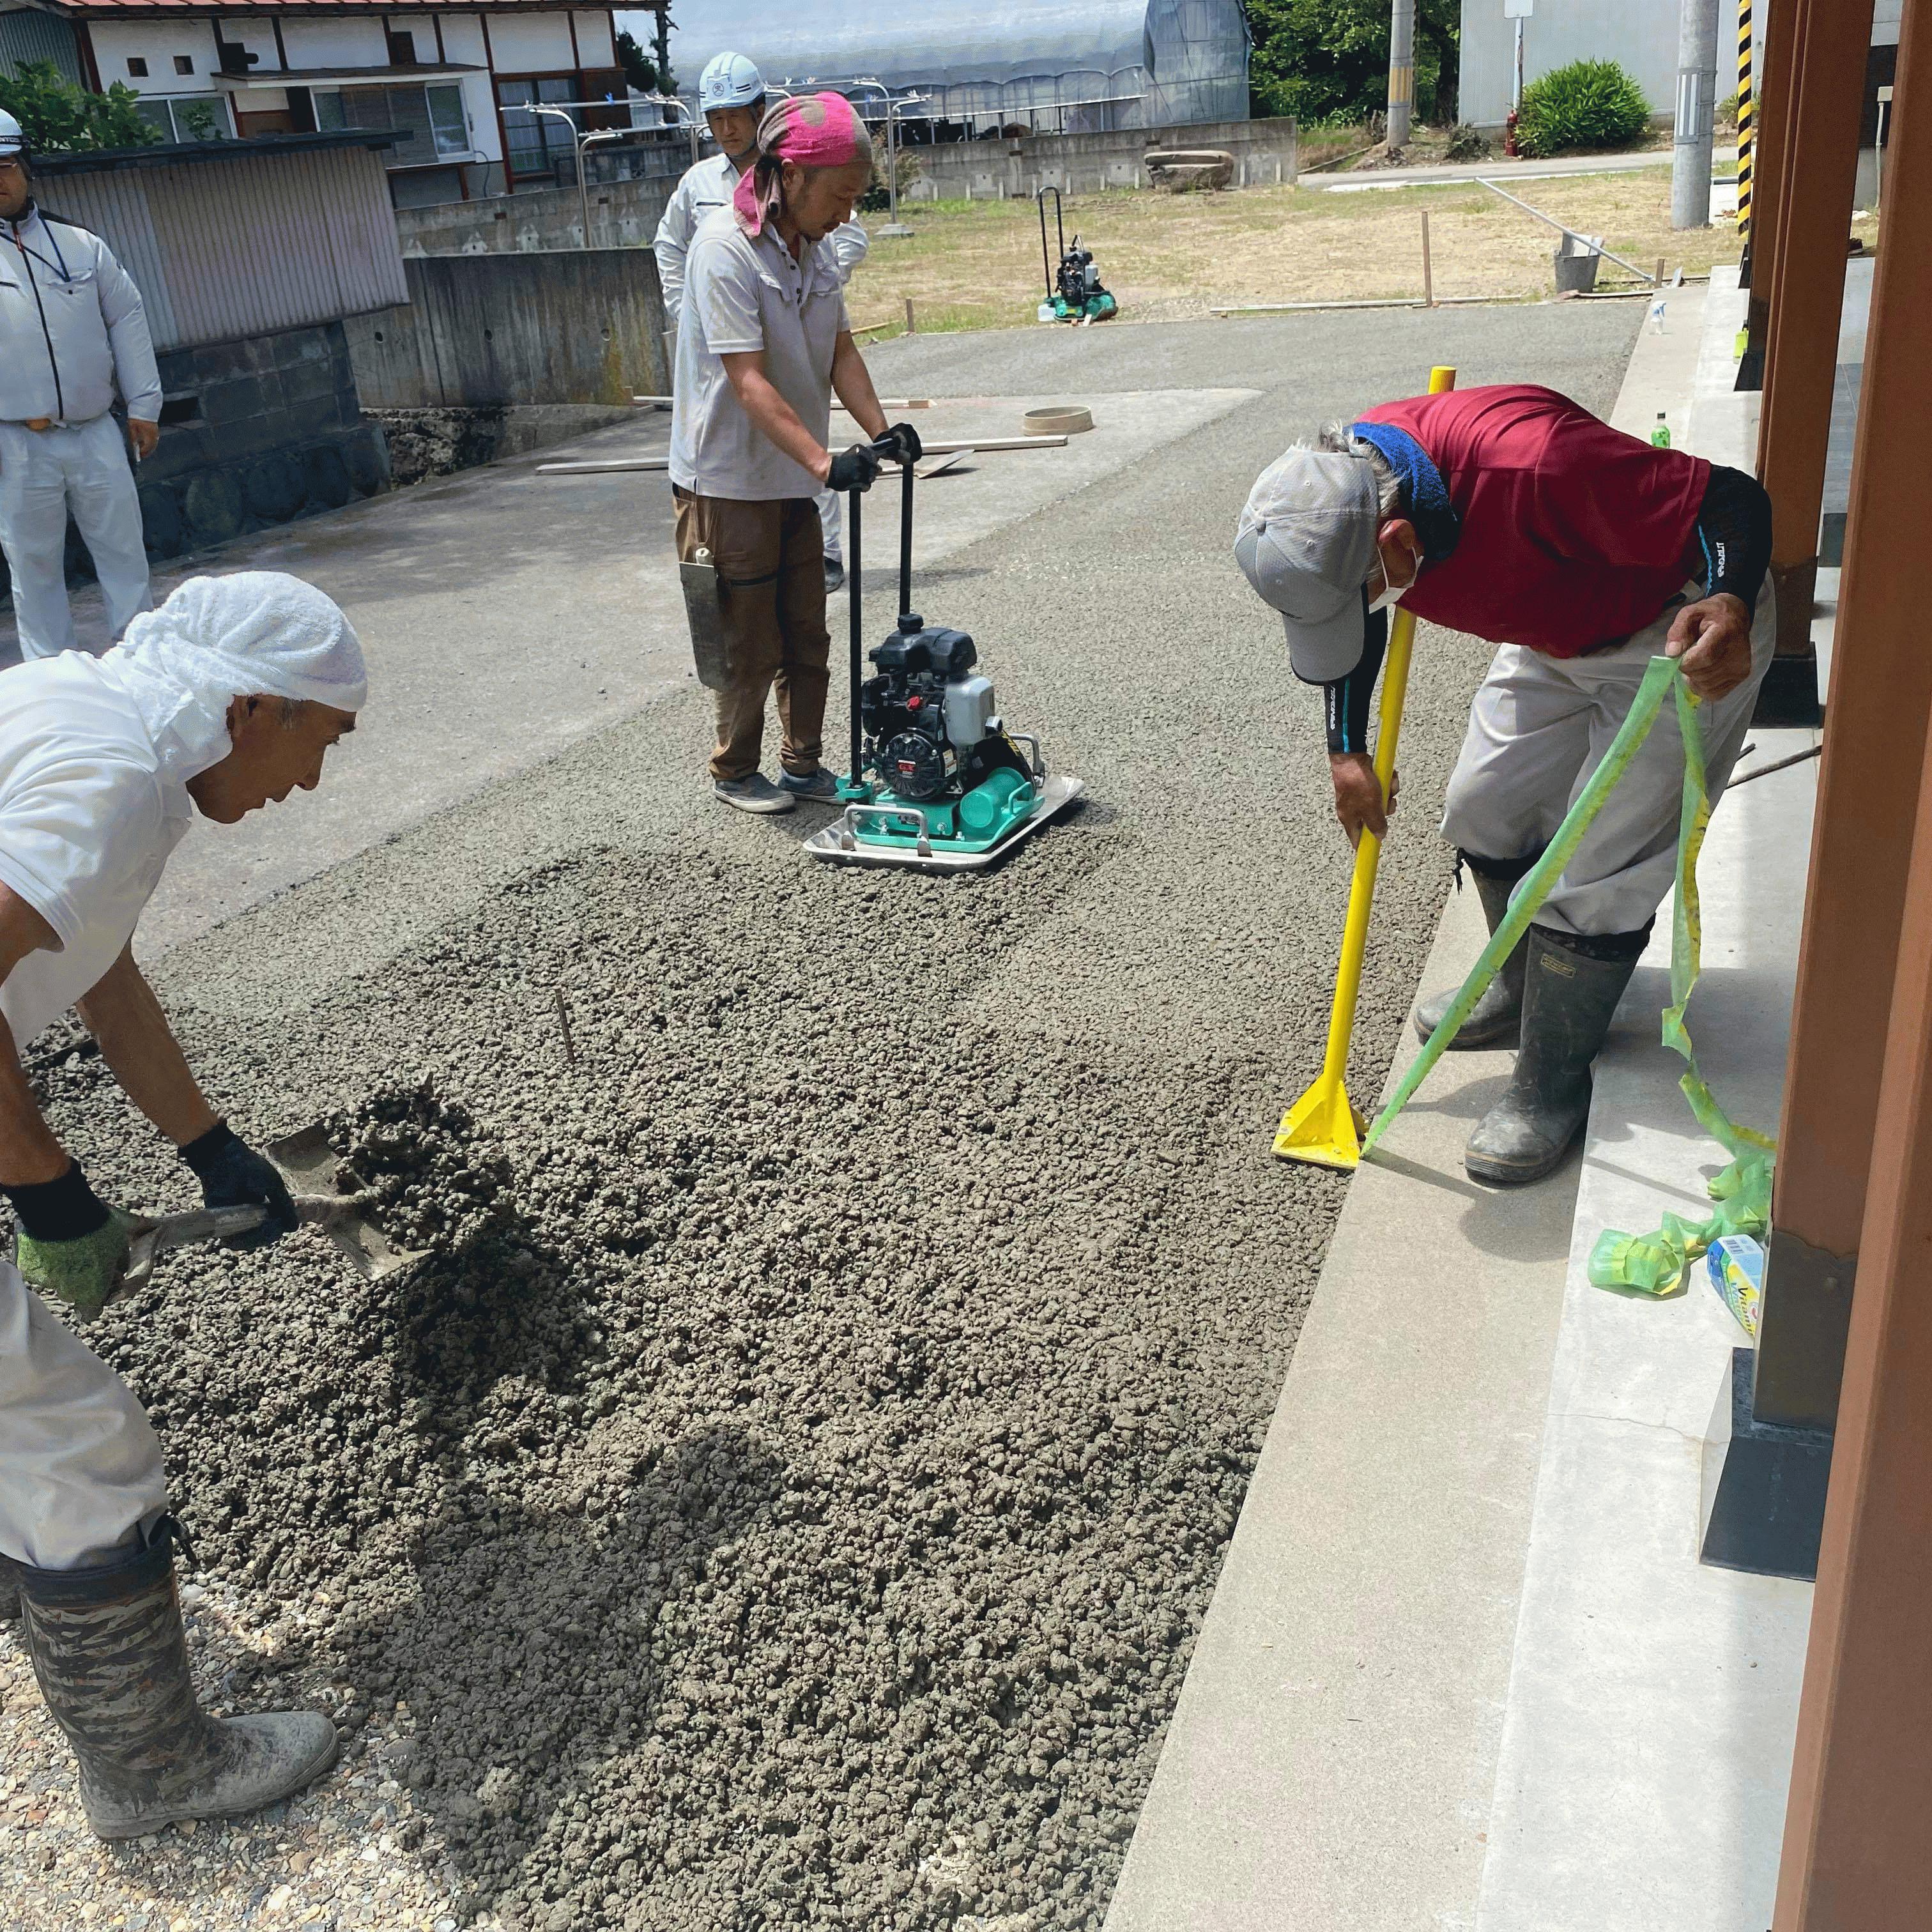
x: 770, y: 560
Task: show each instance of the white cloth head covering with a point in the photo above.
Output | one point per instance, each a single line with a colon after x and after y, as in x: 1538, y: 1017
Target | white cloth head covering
x: 258, y: 633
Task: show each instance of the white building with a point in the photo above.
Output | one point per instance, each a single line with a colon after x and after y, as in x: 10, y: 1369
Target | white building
x: 1640, y: 35
x: 448, y: 80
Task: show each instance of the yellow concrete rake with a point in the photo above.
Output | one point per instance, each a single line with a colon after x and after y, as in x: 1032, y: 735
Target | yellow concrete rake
x: 1323, y: 1128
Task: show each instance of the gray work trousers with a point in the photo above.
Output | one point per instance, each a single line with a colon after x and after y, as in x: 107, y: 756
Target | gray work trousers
x: 80, y: 1465
x: 44, y: 474
x: 1538, y: 728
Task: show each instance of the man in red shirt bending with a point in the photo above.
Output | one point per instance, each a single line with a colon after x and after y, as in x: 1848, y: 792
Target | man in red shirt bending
x: 1513, y: 514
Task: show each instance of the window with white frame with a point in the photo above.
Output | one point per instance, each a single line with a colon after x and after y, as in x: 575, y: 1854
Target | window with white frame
x: 188, y: 117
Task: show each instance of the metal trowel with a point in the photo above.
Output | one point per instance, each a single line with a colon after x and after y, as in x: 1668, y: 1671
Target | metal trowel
x: 704, y: 611
x: 315, y: 1179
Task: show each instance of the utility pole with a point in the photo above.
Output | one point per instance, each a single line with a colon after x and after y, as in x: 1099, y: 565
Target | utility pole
x: 661, y: 34
x: 1402, y: 71
x: 1697, y: 99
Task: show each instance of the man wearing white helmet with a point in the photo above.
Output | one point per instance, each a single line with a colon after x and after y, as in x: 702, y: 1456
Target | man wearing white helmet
x: 72, y: 328
x: 731, y: 98
x: 228, y: 697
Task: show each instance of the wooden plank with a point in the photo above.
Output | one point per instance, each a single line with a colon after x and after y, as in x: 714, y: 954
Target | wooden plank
x: 989, y: 446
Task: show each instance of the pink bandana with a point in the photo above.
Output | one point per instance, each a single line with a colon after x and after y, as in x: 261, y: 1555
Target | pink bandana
x: 811, y: 130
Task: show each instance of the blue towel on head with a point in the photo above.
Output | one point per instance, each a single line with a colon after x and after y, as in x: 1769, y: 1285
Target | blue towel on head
x: 1434, y: 516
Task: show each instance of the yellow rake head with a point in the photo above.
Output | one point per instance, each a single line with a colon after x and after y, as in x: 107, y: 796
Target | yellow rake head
x: 1322, y: 1128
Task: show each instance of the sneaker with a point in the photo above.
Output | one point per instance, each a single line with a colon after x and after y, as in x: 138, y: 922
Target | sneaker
x: 755, y: 793
x: 821, y: 787
x: 835, y: 575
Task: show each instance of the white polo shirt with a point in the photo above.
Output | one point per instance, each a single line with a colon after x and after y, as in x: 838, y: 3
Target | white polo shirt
x: 744, y: 293
x: 88, y: 816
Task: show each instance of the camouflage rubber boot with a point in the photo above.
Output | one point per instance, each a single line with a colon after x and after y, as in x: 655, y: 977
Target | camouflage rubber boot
x: 111, y: 1656
x: 1570, y: 994
x: 1495, y: 1019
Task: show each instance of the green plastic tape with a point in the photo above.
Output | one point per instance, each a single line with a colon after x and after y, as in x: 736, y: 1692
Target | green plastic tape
x: 1740, y: 1194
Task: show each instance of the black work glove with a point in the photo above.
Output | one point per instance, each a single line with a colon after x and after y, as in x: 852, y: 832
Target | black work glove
x: 900, y: 444
x: 852, y: 469
x: 232, y: 1175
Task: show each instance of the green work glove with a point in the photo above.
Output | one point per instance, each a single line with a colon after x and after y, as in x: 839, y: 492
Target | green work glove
x: 85, y: 1271
x: 71, y: 1243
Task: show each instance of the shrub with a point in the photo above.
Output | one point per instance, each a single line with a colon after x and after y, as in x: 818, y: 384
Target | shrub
x: 1587, y: 104
x: 877, y: 197
x: 1467, y: 144
x: 1724, y: 117
x: 59, y: 118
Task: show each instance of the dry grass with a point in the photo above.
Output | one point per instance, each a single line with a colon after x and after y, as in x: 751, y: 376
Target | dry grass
x: 976, y: 265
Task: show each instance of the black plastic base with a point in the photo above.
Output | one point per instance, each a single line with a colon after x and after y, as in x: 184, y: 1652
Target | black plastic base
x: 1789, y: 695
x: 1764, y: 1487
x: 1751, y: 370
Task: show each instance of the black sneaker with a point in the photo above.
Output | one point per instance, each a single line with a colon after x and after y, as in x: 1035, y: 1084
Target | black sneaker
x: 820, y: 788
x: 754, y: 794
x: 835, y: 575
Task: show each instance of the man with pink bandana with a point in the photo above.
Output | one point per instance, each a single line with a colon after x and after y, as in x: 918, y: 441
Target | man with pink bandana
x: 763, y: 342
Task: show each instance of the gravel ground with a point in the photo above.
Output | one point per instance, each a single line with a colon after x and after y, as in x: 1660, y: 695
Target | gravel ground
x: 787, y: 1494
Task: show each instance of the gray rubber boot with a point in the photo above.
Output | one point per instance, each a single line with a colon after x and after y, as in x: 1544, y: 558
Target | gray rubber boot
x: 112, y: 1659
x: 1494, y: 1019
x: 1569, y: 1000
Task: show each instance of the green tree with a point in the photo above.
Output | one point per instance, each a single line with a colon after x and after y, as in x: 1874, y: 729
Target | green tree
x: 1327, y: 60
x: 640, y: 71
x: 59, y: 118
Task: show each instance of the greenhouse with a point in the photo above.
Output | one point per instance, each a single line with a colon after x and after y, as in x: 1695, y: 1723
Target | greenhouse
x: 1070, y: 66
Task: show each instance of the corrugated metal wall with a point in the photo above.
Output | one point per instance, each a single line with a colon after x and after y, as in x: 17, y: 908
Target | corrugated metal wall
x: 229, y: 248
x: 28, y: 34
x: 115, y: 206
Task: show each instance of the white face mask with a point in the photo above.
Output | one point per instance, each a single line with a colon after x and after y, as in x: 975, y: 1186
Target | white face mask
x: 1392, y: 594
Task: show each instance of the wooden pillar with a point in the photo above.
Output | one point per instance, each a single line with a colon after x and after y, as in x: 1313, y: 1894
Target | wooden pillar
x: 1771, y: 148
x: 1818, y: 164
x: 1854, y: 1858
x: 1769, y: 1503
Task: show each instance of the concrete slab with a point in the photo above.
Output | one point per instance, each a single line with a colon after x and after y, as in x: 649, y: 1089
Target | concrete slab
x: 1329, y: 1765
x: 1653, y: 1701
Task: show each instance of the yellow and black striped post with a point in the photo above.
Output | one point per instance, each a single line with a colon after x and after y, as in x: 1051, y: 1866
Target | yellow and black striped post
x: 1744, y: 120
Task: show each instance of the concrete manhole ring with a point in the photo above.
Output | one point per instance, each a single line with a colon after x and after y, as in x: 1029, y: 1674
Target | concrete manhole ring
x: 1060, y: 419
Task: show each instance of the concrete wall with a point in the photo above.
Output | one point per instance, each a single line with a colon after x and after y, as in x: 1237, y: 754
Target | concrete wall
x: 623, y: 214
x: 438, y: 443
x: 567, y: 326
x: 1640, y: 35
x: 1264, y: 151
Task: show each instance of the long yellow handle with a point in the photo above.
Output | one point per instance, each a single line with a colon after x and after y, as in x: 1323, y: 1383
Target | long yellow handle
x: 1303, y: 1134
x: 1368, y: 853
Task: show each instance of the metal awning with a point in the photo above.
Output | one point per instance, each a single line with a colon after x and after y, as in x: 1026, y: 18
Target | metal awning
x: 402, y: 75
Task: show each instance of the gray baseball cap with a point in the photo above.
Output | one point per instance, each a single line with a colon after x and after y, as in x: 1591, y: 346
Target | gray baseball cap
x: 1307, y: 542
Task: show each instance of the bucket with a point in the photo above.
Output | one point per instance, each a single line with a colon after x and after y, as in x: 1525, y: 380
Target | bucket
x: 1576, y: 259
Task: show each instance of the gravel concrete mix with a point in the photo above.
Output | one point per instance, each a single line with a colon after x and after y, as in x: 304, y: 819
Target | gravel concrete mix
x: 786, y: 1494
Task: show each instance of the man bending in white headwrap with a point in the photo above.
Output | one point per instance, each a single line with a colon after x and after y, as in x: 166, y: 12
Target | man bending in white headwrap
x: 227, y: 697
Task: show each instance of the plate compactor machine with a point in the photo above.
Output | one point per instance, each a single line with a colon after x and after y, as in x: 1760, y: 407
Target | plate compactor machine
x: 1074, y: 294
x: 937, y: 782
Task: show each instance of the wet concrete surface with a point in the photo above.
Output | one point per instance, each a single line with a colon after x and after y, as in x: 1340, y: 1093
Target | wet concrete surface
x: 786, y: 1495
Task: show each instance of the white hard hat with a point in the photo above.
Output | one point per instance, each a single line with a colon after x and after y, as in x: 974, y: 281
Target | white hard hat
x: 12, y: 139
x: 729, y: 80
